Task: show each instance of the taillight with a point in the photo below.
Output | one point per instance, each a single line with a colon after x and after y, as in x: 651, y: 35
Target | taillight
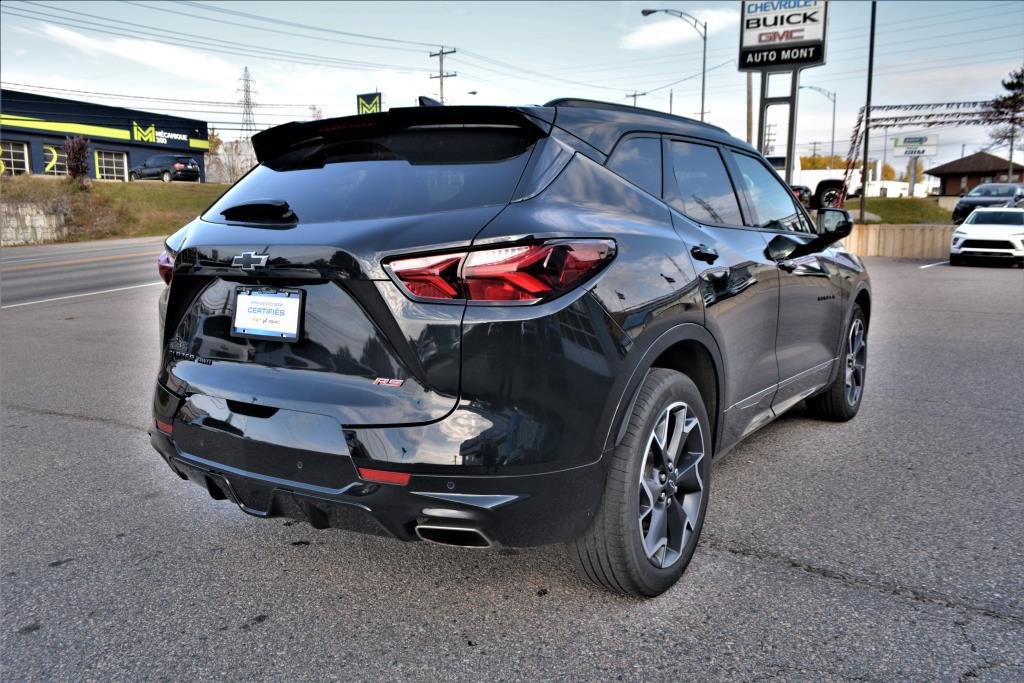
x: 179, y: 166
x: 524, y: 274
x: 165, y: 264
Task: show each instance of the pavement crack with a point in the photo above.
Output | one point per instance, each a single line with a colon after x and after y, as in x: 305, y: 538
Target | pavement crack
x: 74, y: 416
x: 884, y: 587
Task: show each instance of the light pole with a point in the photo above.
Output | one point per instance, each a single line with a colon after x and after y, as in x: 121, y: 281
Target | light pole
x: 702, y: 30
x: 832, y: 97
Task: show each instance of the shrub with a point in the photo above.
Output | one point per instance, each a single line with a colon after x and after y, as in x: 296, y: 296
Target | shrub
x: 76, y: 150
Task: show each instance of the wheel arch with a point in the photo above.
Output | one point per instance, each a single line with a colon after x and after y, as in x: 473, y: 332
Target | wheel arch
x: 688, y: 348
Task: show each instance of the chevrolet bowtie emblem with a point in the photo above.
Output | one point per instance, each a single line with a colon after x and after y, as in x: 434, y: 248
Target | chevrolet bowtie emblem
x: 249, y: 260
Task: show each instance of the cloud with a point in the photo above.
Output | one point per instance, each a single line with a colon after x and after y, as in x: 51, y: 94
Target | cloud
x: 164, y: 57
x: 671, y: 30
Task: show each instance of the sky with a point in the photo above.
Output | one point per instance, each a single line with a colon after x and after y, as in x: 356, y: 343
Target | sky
x: 191, y: 55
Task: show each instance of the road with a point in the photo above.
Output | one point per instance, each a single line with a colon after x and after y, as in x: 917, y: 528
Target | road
x: 67, y: 270
x: 886, y: 548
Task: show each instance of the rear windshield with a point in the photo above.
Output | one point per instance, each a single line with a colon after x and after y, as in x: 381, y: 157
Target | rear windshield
x: 997, y: 217
x: 416, y: 170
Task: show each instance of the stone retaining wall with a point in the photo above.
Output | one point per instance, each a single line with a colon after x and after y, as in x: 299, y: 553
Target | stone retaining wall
x: 30, y: 224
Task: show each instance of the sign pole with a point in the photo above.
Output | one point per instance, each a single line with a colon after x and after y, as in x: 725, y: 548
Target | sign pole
x: 791, y: 155
x: 867, y: 115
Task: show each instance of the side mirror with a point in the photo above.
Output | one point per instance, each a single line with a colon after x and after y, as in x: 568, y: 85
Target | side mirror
x: 963, y: 194
x: 834, y: 225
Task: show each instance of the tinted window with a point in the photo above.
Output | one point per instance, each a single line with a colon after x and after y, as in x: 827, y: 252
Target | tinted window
x: 638, y: 160
x: 992, y: 191
x: 420, y: 170
x: 705, y: 193
x: 774, y: 206
x: 997, y: 217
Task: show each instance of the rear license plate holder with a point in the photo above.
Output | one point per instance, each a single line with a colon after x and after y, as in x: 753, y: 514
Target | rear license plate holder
x: 270, y: 313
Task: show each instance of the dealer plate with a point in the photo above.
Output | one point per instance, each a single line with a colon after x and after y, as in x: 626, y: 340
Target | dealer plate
x: 268, y: 313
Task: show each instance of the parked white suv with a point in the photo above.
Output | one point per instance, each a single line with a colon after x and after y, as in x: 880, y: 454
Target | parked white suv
x: 989, y: 233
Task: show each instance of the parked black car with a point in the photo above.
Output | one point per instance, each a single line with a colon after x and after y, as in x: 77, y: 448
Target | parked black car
x: 988, y: 194
x: 501, y: 325
x: 166, y: 167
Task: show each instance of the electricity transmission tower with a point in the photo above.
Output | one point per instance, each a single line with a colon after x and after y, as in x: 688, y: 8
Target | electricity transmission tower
x: 440, y: 68
x: 248, y: 122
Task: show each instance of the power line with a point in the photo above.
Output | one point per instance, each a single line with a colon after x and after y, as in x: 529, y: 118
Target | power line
x: 163, y: 35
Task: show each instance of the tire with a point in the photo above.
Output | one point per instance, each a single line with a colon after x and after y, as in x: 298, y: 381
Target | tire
x: 166, y: 177
x: 612, y: 552
x: 838, y: 402
x: 956, y: 260
x: 827, y: 196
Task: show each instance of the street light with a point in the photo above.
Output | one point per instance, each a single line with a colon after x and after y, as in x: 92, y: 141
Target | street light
x: 702, y: 30
x: 832, y: 97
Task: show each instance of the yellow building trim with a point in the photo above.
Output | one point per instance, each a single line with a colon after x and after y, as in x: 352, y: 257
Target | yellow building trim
x: 13, y: 121
x: 96, y: 163
x: 196, y: 143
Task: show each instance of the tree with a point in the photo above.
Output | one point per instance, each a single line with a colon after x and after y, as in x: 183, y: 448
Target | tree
x: 888, y: 172
x: 1006, y: 113
x: 215, y: 142
x: 76, y: 155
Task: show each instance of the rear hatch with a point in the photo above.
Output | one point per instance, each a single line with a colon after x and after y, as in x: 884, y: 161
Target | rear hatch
x: 278, y: 298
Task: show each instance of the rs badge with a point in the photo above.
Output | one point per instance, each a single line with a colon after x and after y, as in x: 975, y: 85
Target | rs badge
x: 387, y: 382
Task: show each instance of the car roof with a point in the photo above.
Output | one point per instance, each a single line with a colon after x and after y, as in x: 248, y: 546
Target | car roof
x: 990, y: 209
x: 602, y: 124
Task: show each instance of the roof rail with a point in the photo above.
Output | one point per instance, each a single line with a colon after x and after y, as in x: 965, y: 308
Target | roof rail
x: 584, y: 103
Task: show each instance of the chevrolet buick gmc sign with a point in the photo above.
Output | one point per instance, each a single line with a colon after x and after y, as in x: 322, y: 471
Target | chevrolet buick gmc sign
x: 780, y: 35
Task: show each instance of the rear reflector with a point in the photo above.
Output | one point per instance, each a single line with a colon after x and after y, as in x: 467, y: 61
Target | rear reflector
x: 524, y: 274
x: 179, y: 166
x: 164, y: 427
x: 384, y: 476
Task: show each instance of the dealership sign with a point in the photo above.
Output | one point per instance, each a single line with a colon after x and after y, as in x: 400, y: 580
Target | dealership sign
x: 368, y: 103
x: 781, y: 35
x: 915, y: 146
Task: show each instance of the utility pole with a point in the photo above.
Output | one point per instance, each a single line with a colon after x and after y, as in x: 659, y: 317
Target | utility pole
x: 769, y: 139
x: 670, y: 109
x: 1013, y: 131
x: 867, y: 112
x: 440, y: 68
x: 963, y: 148
x: 248, y: 121
x: 635, y: 95
x: 814, y: 149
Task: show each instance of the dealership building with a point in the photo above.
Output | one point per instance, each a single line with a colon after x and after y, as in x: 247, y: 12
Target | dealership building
x: 33, y: 129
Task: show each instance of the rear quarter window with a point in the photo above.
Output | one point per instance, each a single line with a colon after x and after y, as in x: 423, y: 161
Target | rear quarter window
x: 638, y: 160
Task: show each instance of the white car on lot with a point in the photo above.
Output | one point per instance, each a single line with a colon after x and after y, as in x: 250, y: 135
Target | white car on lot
x: 989, y: 233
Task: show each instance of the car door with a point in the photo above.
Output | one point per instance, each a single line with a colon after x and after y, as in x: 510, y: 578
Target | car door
x: 147, y: 168
x: 810, y: 287
x: 739, y: 284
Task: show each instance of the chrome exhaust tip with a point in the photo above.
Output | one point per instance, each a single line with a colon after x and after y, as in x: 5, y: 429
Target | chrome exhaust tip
x: 451, y: 534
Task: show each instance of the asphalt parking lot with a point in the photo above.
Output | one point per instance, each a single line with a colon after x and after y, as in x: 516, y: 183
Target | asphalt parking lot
x: 887, y: 548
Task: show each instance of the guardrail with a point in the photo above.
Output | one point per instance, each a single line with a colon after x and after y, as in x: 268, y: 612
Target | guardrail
x: 900, y: 241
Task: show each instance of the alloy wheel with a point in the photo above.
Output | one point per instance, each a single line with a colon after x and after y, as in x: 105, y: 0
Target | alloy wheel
x: 671, y: 487
x: 856, y: 361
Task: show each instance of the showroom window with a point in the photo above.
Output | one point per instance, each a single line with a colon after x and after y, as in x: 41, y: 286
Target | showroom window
x: 13, y: 158
x: 110, y: 165
x: 55, y: 161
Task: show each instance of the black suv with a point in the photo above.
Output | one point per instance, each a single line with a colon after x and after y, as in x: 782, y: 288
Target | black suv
x: 501, y: 326
x: 989, y: 195
x: 166, y: 167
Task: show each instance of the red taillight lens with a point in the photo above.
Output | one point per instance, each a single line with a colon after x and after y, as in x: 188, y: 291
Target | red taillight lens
x: 165, y: 264
x: 384, y: 476
x: 165, y: 427
x: 179, y: 166
x: 525, y: 273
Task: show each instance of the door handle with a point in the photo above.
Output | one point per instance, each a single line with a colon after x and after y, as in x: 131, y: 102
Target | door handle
x: 704, y: 253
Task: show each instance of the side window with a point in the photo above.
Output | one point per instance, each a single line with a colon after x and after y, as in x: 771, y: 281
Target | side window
x: 773, y: 203
x: 638, y: 160
x: 705, y: 193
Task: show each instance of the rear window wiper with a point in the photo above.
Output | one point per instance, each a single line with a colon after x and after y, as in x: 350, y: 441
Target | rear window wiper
x: 264, y: 212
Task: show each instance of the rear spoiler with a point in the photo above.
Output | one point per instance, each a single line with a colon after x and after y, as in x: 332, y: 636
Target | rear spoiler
x: 273, y: 142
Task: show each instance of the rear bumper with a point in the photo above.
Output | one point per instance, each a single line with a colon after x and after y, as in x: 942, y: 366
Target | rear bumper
x: 185, y: 175
x: 517, y: 510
